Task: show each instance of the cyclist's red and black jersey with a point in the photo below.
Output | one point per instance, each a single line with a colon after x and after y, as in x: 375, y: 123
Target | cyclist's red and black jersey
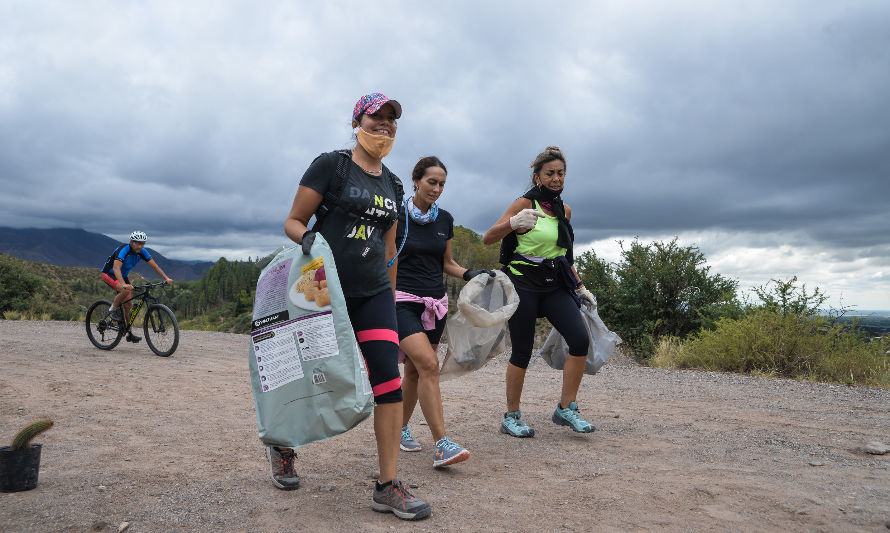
x: 128, y: 257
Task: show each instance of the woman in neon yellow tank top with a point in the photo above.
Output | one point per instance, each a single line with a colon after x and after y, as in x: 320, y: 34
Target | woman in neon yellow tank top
x: 536, y: 251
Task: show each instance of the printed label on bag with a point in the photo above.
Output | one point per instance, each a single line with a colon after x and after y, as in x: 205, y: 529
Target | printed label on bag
x: 277, y: 355
x: 316, y: 337
x: 281, y: 349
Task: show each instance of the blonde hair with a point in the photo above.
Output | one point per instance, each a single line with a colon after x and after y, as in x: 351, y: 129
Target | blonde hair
x: 551, y: 153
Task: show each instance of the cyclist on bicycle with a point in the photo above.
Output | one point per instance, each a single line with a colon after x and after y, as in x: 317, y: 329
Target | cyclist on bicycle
x: 118, y: 266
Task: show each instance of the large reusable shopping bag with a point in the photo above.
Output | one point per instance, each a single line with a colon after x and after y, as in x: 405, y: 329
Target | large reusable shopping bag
x: 602, y: 343
x: 477, y: 332
x: 308, y: 377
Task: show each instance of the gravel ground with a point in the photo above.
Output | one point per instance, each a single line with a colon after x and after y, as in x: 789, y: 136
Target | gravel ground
x: 169, y: 444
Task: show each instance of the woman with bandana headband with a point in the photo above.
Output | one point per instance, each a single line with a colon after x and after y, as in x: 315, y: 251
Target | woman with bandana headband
x: 425, y: 232
x: 536, y: 251
x: 356, y: 201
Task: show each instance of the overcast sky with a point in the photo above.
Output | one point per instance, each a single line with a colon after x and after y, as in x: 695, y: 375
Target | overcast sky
x: 758, y: 131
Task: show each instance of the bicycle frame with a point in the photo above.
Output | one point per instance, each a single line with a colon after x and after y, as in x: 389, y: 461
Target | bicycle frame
x: 144, y: 296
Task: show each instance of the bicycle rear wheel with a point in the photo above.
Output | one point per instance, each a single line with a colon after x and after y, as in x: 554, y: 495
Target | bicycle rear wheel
x: 103, y: 332
x: 161, y: 330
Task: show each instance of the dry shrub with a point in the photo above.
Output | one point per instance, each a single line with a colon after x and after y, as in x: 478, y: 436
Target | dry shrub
x: 769, y: 344
x: 668, y: 352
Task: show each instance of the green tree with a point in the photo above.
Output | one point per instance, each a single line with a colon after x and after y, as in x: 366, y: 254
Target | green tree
x: 221, y: 300
x: 786, y: 298
x: 598, y: 275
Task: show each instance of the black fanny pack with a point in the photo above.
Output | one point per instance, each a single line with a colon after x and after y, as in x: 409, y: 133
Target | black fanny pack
x: 534, y: 276
x: 547, y: 275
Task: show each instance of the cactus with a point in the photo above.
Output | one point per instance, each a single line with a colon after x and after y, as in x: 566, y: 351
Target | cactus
x: 23, y: 438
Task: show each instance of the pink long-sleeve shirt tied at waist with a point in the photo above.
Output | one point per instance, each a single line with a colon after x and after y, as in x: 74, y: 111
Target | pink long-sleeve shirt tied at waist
x: 436, y: 309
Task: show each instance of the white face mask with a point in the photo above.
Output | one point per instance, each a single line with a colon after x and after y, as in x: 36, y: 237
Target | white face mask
x: 377, y: 146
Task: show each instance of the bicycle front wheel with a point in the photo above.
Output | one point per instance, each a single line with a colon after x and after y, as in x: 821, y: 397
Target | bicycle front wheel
x: 104, y: 332
x: 161, y: 330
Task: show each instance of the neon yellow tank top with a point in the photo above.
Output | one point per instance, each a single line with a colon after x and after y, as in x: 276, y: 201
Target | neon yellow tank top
x: 541, y: 240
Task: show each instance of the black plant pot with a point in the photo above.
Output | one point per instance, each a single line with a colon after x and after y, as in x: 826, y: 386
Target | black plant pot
x: 18, y: 469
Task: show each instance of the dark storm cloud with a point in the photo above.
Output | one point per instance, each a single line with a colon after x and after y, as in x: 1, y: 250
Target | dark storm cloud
x: 760, y: 118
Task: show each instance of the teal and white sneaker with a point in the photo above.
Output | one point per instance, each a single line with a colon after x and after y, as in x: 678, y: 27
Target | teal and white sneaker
x: 448, y: 453
x: 513, y: 425
x: 408, y: 444
x: 570, y: 416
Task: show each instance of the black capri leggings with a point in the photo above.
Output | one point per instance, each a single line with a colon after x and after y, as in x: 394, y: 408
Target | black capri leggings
x: 560, y: 309
x: 374, y: 322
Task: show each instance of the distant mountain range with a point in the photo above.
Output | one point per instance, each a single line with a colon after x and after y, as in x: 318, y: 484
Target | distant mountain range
x: 76, y: 247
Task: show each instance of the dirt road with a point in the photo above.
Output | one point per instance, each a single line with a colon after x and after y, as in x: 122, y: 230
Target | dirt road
x: 169, y: 444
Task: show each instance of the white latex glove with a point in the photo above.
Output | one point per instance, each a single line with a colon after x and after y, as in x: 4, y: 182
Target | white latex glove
x: 525, y: 220
x: 585, y: 294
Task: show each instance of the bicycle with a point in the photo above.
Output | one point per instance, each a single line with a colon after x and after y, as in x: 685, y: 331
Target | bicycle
x: 159, y: 325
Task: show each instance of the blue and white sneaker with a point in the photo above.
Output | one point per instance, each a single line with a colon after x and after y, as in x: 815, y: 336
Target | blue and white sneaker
x: 513, y: 425
x: 448, y: 453
x: 570, y: 416
x: 408, y: 444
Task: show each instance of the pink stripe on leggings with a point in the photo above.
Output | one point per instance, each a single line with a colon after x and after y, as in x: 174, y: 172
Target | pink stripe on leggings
x: 377, y: 335
x: 389, y: 386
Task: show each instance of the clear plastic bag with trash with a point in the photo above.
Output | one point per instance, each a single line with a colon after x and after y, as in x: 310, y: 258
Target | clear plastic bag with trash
x: 602, y: 342
x: 477, y: 332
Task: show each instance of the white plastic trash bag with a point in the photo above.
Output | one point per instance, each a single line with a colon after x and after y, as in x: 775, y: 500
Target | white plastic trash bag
x: 477, y: 332
x: 602, y: 343
x: 308, y: 377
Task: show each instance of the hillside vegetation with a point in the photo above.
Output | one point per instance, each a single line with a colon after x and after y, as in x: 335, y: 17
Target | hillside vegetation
x: 221, y: 300
x: 37, y: 291
x: 663, y: 300
x: 674, y: 312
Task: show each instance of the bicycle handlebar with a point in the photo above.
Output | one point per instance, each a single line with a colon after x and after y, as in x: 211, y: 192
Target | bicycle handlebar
x: 148, y: 285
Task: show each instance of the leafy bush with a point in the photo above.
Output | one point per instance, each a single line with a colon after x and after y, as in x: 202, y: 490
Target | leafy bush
x: 765, y: 341
x: 17, y: 287
x: 469, y: 252
x: 657, y: 290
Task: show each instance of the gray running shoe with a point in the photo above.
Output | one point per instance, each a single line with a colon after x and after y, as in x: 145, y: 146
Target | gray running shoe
x: 396, y: 499
x: 116, y: 314
x: 571, y: 416
x: 513, y: 425
x: 281, y: 463
x: 448, y: 453
x: 408, y: 444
